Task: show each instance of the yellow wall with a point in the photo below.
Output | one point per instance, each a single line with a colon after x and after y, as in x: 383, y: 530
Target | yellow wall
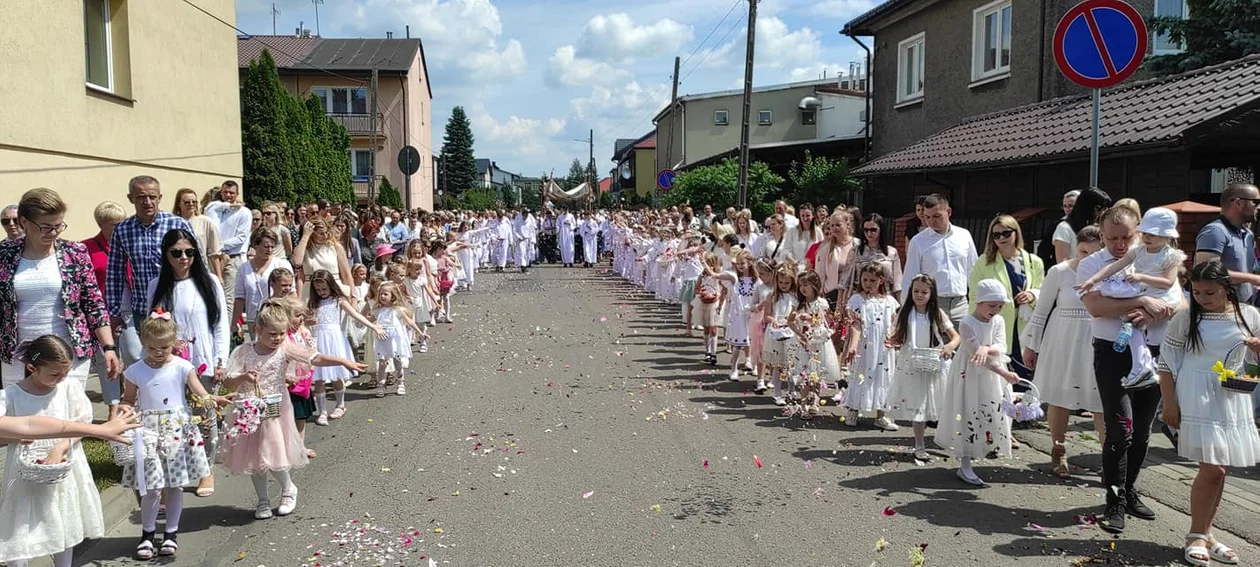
x: 644, y: 172
x: 179, y: 118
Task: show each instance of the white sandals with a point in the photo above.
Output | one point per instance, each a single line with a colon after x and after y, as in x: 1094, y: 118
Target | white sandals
x: 1203, y: 555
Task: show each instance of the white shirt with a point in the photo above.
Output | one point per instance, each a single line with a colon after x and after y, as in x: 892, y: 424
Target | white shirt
x: 234, y: 226
x: 253, y: 287
x: 790, y: 221
x: 946, y: 257
x: 1103, y: 328
x: 37, y: 288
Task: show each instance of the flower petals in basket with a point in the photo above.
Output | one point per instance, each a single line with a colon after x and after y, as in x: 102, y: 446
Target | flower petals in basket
x: 247, y: 417
x: 1025, y: 406
x: 1231, y: 378
x: 32, y: 468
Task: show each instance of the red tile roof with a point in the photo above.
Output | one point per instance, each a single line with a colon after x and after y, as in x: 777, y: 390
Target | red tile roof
x: 1160, y: 111
x: 648, y: 144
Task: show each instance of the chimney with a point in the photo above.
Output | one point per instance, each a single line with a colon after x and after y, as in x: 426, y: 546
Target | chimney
x: 408, y: 31
x: 389, y: 35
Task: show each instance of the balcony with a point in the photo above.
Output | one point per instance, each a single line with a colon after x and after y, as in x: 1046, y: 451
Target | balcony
x: 360, y: 124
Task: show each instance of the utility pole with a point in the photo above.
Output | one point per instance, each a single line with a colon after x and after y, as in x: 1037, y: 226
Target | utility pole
x: 669, y: 144
x: 372, y: 125
x: 274, y: 12
x: 591, y: 140
x: 743, y: 127
x: 317, y: 3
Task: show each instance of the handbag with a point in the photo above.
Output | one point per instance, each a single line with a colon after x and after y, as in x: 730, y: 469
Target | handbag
x: 302, y: 388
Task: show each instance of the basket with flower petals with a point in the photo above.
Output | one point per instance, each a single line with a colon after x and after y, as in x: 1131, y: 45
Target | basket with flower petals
x: 1239, y: 372
x: 1024, y: 406
x: 33, y: 466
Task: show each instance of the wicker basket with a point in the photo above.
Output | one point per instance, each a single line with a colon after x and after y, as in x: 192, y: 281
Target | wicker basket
x: 1246, y: 369
x: 927, y: 360
x: 1024, y: 406
x: 31, y: 469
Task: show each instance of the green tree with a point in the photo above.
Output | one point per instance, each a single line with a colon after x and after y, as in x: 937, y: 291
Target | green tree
x: 331, y: 151
x: 265, y: 149
x: 822, y: 180
x: 1216, y: 31
x: 458, y: 162
x: 531, y: 195
x: 606, y: 201
x: 478, y: 199
x: 577, y: 175
x: 718, y: 185
x: 388, y: 196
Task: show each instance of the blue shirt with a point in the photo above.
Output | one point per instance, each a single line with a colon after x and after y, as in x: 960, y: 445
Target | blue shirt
x: 399, y: 232
x: 234, y: 225
x: 1237, y: 248
x: 139, y: 246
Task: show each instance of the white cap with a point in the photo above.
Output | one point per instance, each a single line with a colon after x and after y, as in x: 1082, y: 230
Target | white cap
x: 1159, y: 221
x: 991, y: 290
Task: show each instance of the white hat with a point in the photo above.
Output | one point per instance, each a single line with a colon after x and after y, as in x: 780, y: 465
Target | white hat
x: 991, y: 290
x: 1159, y: 222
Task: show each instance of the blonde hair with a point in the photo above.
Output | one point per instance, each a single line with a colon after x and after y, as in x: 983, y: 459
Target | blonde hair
x: 109, y: 211
x: 157, y: 329
x: 1130, y: 204
x: 395, y: 289
x: 1006, y: 221
x: 274, y: 313
x: 40, y: 201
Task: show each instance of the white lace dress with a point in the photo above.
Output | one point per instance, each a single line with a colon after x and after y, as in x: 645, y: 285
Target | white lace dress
x: 915, y: 395
x: 871, y: 375
x: 1060, y: 335
x: 972, y: 423
x: 330, y: 340
x: 43, y: 519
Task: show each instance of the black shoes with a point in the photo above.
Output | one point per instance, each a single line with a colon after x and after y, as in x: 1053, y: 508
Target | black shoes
x: 1112, y: 520
x: 1134, y: 505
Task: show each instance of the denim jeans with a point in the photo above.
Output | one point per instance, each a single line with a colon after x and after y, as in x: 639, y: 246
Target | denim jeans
x: 1127, y: 415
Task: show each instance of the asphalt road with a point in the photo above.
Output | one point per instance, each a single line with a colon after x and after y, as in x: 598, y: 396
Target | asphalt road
x: 564, y: 420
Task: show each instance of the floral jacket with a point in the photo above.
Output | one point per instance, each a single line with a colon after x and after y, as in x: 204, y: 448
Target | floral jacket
x: 85, y: 308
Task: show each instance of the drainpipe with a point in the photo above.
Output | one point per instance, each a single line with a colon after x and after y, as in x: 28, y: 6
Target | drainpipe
x: 1041, y: 59
x: 866, y: 150
x: 406, y: 138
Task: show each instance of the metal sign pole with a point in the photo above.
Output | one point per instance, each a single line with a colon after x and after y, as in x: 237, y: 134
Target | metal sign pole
x: 1093, y: 147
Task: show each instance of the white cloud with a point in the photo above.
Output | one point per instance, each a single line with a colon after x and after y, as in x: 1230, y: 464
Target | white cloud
x: 841, y: 9
x: 779, y: 47
x: 516, y: 134
x: 564, y: 68
x: 816, y: 71
x: 619, y: 102
x: 615, y: 37
x: 464, y: 34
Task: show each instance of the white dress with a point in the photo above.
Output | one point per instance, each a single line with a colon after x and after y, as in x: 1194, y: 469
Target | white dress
x: 817, y: 358
x: 916, y: 396
x: 1152, y: 265
x: 37, y: 288
x: 1060, y: 334
x: 774, y: 352
x: 178, y: 457
x: 972, y: 423
x: 207, y: 345
x: 740, y: 297
x: 397, y: 342
x: 875, y: 362
x: 330, y: 340
x: 1217, y: 425
x: 43, y: 519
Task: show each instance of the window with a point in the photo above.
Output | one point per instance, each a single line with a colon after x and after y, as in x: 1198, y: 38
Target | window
x: 765, y: 117
x: 361, y: 164
x: 991, y: 41
x: 1164, y: 45
x: 98, y: 52
x: 910, y: 69
x: 809, y: 117
x: 720, y: 118
x: 342, y: 100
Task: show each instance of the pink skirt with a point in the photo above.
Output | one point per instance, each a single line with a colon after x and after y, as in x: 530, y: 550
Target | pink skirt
x: 276, y: 446
x: 756, y: 335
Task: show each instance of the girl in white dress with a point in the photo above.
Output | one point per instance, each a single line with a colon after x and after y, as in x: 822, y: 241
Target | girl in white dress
x: 916, y: 394
x: 1216, y: 425
x: 358, y: 296
x: 973, y: 424
x: 708, y: 291
x: 757, y: 321
x: 156, y: 386
x: 329, y: 305
x: 816, y: 360
x: 869, y: 356
x: 47, y: 519
x: 739, y: 285
x: 391, y: 316
x: 776, y: 348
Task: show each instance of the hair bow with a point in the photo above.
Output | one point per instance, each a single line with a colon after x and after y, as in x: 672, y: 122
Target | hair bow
x: 160, y: 313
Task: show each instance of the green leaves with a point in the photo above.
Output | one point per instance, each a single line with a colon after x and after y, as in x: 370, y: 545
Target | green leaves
x: 1217, y: 31
x: 822, y: 180
x: 388, y: 196
x: 459, y: 165
x: 718, y: 185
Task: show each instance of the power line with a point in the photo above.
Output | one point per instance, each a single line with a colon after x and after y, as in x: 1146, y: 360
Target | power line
x: 715, y: 28
x: 713, y: 48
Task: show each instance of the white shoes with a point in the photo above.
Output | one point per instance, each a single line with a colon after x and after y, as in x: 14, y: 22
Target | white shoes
x: 780, y: 401
x: 886, y: 424
x: 761, y: 386
x: 288, y: 501
x: 424, y: 346
x: 322, y: 419
x: 402, y: 388
x: 734, y: 376
x: 263, y: 510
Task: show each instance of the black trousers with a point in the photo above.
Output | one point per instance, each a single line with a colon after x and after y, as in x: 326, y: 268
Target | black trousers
x: 1127, y: 415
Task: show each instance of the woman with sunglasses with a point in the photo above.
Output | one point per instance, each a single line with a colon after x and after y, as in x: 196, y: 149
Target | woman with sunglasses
x: 194, y: 298
x: 205, y: 228
x: 48, y: 287
x: 874, y: 247
x: 1005, y: 260
x: 284, y: 237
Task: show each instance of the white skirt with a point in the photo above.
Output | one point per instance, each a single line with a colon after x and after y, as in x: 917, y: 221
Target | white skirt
x: 396, y: 344
x: 915, y: 396
x: 332, y: 342
x: 1217, y: 425
x: 1065, y: 365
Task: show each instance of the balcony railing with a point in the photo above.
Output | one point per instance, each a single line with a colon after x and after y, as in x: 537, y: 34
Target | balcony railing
x: 360, y: 124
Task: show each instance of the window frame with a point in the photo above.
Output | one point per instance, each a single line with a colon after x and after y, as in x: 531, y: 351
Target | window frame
x: 108, y: 47
x: 769, y: 117
x: 1156, y: 38
x: 978, y: 37
x: 809, y: 116
x: 726, y: 117
x: 918, y: 40
x: 353, y: 152
x: 328, y: 99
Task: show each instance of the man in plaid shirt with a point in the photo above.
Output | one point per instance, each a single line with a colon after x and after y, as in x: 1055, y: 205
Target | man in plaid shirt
x: 137, y: 242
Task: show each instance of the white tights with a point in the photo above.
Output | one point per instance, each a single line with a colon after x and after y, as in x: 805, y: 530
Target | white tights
x: 260, y: 485
x: 152, y: 500
x: 61, y: 559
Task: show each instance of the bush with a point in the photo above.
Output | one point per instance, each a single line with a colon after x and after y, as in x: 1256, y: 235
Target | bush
x: 388, y: 196
x: 718, y: 185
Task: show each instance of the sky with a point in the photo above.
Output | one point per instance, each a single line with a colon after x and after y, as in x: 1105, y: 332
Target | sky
x: 535, y: 76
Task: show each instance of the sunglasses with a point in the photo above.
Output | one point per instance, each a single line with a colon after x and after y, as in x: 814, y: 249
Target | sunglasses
x: 7, y: 222
x: 999, y: 234
x: 178, y: 253
x: 871, y: 229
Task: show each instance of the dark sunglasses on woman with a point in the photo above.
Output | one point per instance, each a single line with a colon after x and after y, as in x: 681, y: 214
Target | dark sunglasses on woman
x: 177, y: 253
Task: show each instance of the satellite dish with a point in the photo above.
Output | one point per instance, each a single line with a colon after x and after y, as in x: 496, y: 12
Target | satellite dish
x: 625, y: 171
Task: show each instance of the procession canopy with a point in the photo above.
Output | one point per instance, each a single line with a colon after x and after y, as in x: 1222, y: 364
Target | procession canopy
x: 553, y: 192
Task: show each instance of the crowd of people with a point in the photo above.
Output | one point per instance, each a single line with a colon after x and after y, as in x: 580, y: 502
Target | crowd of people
x: 969, y: 341
x: 224, y: 330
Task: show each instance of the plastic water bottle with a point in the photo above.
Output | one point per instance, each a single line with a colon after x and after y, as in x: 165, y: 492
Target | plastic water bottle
x: 1122, y: 338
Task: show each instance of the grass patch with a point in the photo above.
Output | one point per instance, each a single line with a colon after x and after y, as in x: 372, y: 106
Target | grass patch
x: 100, y: 459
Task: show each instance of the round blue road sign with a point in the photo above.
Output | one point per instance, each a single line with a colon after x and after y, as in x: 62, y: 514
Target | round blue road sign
x: 665, y: 179
x: 1100, y: 43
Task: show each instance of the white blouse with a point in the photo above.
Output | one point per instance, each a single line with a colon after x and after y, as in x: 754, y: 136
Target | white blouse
x: 37, y: 285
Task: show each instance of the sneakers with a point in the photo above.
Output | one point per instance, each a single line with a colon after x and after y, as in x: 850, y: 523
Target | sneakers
x: 402, y: 388
x: 734, y: 376
x: 1140, y: 380
x: 263, y: 510
x: 1112, y: 519
x: 922, y: 455
x: 839, y: 397
x: 885, y: 424
x: 322, y: 419
x: 288, y: 501
x: 761, y: 386
x: 780, y: 401
x: 380, y: 391
x: 424, y: 346
x: 1134, y: 505
x: 851, y: 418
